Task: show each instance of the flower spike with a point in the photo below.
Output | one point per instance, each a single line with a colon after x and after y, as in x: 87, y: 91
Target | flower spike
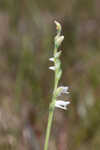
x: 57, y: 91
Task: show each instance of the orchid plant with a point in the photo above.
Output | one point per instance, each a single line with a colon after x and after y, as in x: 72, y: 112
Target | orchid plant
x: 57, y: 90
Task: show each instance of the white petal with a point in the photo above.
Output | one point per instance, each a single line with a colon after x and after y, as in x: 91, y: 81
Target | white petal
x: 60, y: 107
x: 62, y: 90
x: 51, y: 59
x: 52, y: 68
x: 62, y: 104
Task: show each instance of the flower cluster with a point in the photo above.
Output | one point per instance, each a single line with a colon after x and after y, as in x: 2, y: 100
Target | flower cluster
x: 57, y: 69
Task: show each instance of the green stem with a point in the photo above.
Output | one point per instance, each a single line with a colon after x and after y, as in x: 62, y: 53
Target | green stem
x: 51, y: 109
x: 50, y: 118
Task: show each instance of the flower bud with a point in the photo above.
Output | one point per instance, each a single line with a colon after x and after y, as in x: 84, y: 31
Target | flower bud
x: 58, y: 26
x: 59, y: 40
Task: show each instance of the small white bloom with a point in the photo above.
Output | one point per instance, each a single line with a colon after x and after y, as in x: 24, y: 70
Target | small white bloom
x: 64, y: 89
x: 62, y: 104
x: 51, y: 59
x: 52, y: 68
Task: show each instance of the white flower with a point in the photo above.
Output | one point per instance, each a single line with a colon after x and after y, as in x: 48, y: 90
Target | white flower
x: 51, y: 59
x: 64, y: 89
x: 52, y: 68
x: 62, y: 104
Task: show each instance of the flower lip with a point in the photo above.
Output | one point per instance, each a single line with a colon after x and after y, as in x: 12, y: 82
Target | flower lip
x: 52, y: 68
x: 51, y: 59
x: 62, y: 104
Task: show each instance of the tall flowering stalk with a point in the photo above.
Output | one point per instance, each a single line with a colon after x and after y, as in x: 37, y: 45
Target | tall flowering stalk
x: 57, y: 90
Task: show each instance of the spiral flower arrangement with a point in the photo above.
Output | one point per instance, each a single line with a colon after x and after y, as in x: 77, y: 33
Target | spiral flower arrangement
x: 58, y: 90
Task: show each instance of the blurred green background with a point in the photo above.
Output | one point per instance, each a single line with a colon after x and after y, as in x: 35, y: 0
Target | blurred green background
x: 27, y: 32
